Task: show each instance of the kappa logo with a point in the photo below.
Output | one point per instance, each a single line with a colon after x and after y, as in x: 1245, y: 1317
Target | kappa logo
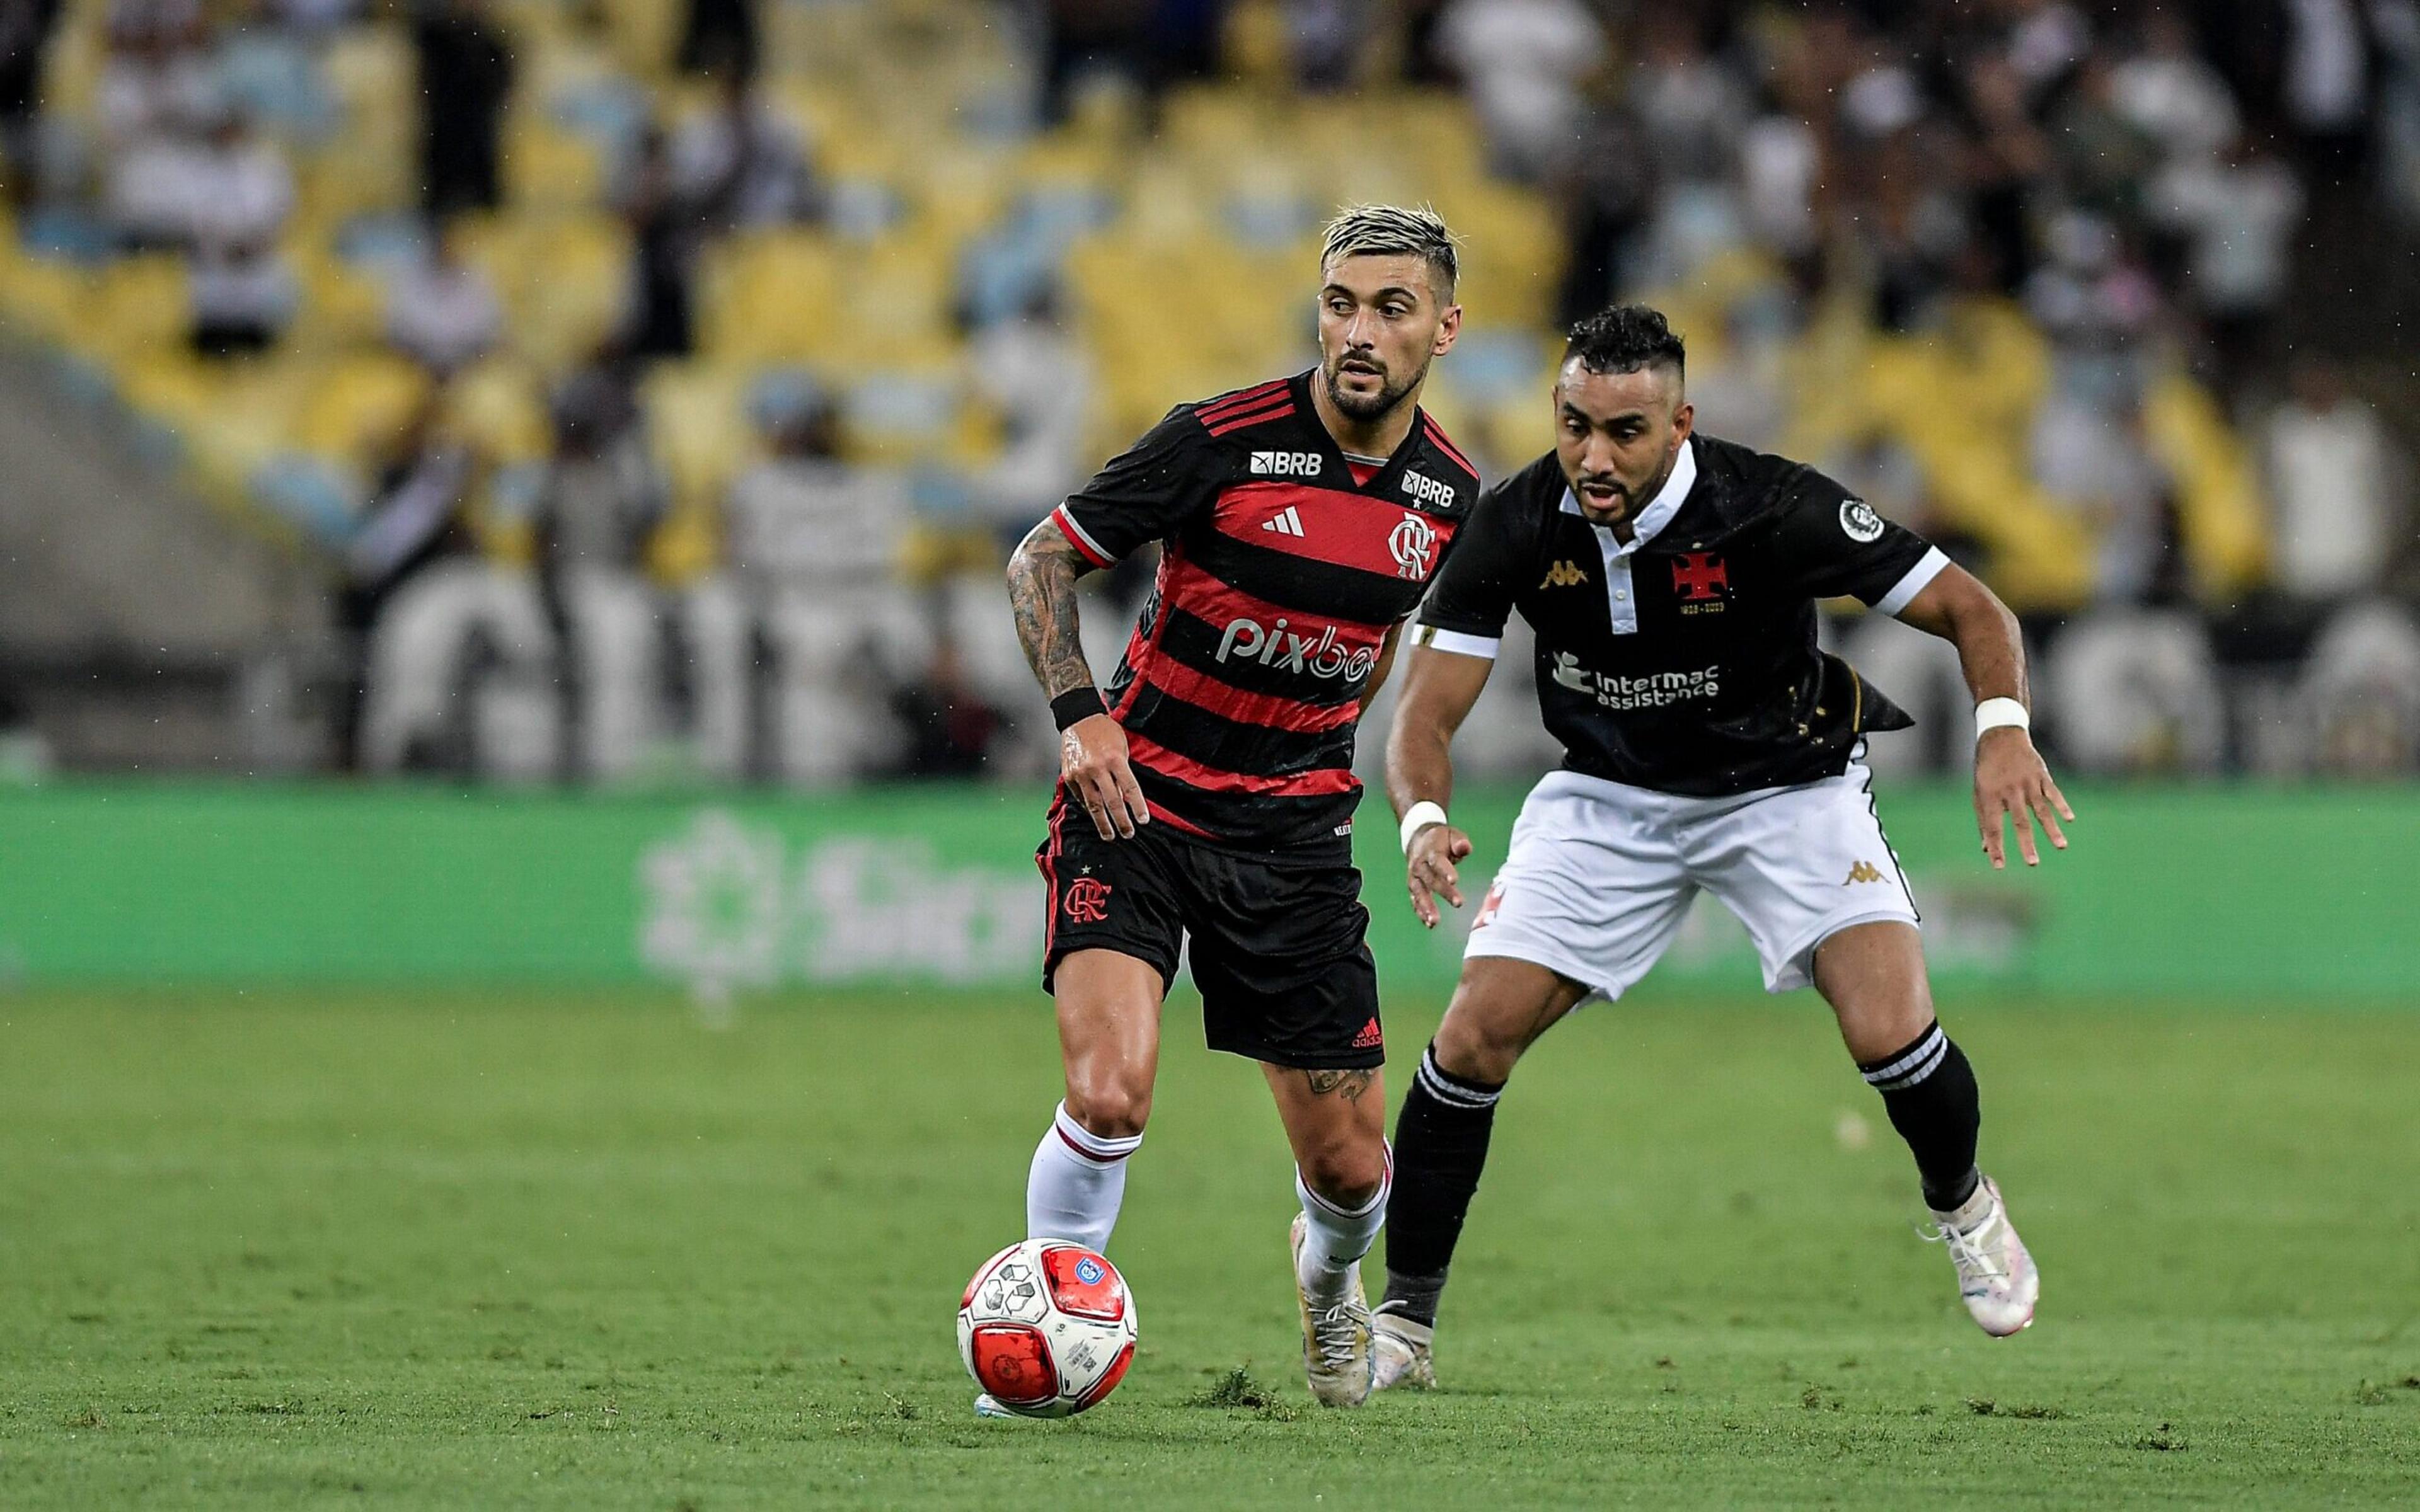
x: 1698, y: 576
x: 1413, y: 545
x: 1862, y: 872
x: 1428, y: 491
x: 1287, y: 464
x: 1284, y: 522
x: 1564, y: 575
x: 1088, y: 900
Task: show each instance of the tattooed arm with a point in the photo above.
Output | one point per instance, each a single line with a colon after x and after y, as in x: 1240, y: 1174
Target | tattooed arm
x: 1091, y: 750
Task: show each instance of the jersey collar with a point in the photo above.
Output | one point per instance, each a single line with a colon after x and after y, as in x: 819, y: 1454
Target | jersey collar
x: 1661, y: 508
x: 1383, y: 483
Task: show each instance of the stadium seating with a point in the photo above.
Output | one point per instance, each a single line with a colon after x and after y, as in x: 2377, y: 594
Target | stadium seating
x: 1178, y: 254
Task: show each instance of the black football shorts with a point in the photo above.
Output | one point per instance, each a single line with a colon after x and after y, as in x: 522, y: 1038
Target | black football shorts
x: 1277, y: 945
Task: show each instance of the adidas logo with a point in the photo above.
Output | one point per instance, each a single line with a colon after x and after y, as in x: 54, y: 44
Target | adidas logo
x: 1564, y: 575
x: 1286, y: 522
x: 1862, y: 872
x: 1370, y: 1038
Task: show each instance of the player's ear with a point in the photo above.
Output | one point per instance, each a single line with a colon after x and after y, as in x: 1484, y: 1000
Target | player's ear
x: 1449, y: 326
x: 1682, y: 419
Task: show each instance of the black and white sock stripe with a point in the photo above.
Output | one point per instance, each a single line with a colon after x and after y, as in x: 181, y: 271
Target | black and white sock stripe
x: 1450, y: 1090
x: 1912, y: 1065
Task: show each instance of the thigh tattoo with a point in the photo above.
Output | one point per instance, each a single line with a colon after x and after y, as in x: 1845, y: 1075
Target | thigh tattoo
x: 1348, y: 1084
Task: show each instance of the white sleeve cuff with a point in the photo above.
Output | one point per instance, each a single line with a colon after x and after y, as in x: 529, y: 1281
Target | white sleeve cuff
x: 1456, y: 642
x: 1903, y: 592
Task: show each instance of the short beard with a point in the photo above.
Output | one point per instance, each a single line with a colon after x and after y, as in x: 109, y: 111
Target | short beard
x: 1365, y: 410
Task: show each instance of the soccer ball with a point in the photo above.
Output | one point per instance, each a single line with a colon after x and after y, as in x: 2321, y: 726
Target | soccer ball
x: 1046, y: 1327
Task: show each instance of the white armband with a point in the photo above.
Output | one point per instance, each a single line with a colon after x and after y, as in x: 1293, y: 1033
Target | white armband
x: 1419, y: 817
x: 1994, y: 714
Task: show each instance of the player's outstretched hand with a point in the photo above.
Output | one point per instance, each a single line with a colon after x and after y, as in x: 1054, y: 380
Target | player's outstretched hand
x: 2010, y: 781
x: 1093, y: 765
x: 1428, y: 870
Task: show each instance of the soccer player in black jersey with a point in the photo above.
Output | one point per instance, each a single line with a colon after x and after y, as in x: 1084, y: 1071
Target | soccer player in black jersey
x: 1206, y: 795
x: 1671, y: 580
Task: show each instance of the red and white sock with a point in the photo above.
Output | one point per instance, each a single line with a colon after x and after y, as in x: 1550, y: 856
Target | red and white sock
x: 1335, y: 1237
x: 1077, y: 1184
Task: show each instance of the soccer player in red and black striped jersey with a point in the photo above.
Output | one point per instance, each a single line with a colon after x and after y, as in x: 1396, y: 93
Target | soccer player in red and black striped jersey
x: 1207, y: 793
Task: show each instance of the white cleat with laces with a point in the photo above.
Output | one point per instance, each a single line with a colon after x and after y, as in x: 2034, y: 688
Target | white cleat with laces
x: 1401, y: 1348
x: 1336, y: 1354
x: 1996, y: 1279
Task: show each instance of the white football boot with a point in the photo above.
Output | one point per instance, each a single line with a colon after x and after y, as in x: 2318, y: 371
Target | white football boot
x: 1996, y: 1279
x: 1336, y: 1354
x: 986, y: 1407
x: 1401, y: 1348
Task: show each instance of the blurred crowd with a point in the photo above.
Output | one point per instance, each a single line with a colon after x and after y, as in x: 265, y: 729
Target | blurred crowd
x: 658, y: 384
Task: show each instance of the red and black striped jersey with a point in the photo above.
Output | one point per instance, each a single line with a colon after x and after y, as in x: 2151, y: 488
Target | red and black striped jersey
x: 1285, y: 563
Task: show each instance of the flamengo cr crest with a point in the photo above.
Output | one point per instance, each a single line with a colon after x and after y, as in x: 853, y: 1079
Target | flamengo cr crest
x: 1413, y: 544
x: 1088, y: 900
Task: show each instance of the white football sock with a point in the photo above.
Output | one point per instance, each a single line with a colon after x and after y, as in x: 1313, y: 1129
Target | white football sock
x: 1077, y: 1181
x: 1335, y: 1238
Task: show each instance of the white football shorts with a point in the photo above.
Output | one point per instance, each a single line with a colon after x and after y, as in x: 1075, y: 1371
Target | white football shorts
x: 1600, y: 875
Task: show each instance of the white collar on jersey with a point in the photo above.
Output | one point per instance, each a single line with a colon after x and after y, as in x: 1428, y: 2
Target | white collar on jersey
x: 1661, y: 508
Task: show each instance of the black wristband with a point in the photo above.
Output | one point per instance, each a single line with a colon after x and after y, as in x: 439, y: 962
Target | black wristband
x: 1077, y: 703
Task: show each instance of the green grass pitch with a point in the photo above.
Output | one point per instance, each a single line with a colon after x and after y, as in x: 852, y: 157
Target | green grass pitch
x: 331, y: 1250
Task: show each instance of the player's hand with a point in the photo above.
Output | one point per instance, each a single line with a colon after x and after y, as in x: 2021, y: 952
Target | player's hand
x: 1428, y: 870
x: 2010, y: 781
x: 1092, y: 768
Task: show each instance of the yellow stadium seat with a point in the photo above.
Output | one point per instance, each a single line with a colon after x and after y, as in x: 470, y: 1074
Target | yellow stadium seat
x: 547, y: 168
x: 697, y: 420
x: 770, y: 297
x: 49, y: 300
x: 342, y: 308
x: 499, y: 407
x: 564, y: 280
x: 2224, y: 525
x: 359, y: 405
x: 142, y: 305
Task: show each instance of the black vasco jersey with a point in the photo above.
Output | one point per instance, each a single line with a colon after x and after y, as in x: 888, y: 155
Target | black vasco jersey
x: 1686, y: 662
x: 1285, y: 563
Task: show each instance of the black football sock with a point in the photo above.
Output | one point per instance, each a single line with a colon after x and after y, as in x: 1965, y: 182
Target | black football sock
x: 1928, y: 1091
x: 1440, y: 1148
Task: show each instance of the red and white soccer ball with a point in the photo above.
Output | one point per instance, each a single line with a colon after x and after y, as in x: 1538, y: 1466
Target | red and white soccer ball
x: 1046, y: 1327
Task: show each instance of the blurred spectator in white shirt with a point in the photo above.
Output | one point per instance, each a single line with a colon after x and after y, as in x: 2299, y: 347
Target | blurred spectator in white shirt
x: 2327, y: 79
x: 1524, y: 62
x: 740, y: 163
x: 242, y: 191
x: 603, y: 496
x: 443, y: 312
x: 2095, y: 456
x: 156, y: 98
x: 1690, y: 107
x: 2045, y: 41
x: 2172, y: 93
x: 804, y: 517
x: 2239, y: 212
x: 2333, y: 475
x: 1039, y: 378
